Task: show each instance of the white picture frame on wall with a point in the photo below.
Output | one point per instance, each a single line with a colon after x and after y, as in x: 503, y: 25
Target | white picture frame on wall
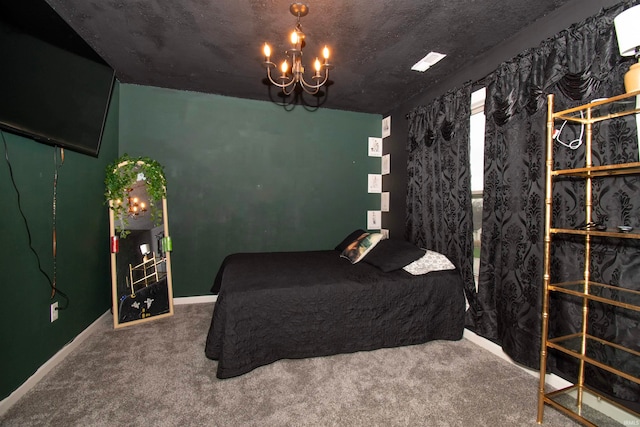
x: 375, y: 147
x: 384, y: 201
x: 386, y: 127
x: 374, y: 220
x: 385, y: 164
x: 374, y: 183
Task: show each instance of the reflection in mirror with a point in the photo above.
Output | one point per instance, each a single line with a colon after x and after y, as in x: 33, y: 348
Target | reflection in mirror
x: 140, y: 244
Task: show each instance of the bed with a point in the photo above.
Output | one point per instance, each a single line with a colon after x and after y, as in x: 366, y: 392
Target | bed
x: 288, y: 305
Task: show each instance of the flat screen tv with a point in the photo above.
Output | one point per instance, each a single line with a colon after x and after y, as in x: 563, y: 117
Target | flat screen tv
x: 50, y: 94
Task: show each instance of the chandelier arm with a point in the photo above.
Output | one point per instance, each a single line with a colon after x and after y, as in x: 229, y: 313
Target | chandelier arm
x: 309, y: 87
x: 310, y: 91
x: 280, y: 85
x: 291, y: 89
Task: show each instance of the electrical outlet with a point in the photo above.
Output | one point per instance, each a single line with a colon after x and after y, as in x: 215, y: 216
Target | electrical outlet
x: 54, y: 311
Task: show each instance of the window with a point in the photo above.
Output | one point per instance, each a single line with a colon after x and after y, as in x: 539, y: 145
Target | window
x: 476, y: 160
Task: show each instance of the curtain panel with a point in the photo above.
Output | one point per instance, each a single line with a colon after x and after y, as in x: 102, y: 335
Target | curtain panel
x: 439, y: 213
x: 578, y: 65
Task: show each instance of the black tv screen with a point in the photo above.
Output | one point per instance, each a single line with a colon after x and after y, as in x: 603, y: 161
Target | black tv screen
x: 50, y: 94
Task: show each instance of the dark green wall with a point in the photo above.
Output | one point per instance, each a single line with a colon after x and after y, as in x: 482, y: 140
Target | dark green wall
x: 248, y: 176
x: 28, y: 337
x: 242, y: 176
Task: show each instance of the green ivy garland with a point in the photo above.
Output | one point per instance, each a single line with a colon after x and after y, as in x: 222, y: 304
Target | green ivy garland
x: 120, y: 177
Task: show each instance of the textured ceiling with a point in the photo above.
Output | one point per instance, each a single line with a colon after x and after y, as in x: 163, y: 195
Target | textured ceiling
x: 214, y: 46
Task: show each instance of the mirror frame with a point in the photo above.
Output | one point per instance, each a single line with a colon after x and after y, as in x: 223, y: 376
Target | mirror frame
x: 113, y: 234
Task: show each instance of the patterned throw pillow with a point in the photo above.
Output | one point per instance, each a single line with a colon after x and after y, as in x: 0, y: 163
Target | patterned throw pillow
x: 431, y: 261
x: 349, y: 239
x: 361, y: 246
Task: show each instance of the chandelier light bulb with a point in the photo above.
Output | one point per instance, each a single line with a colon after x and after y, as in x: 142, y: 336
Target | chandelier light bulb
x: 317, y: 66
x: 294, y: 38
x: 267, y: 51
x: 325, y: 53
x: 284, y: 67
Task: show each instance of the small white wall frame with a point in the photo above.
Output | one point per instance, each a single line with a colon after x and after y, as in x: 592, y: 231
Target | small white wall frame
x: 384, y: 201
x: 375, y: 147
x: 374, y: 183
x: 386, y: 127
x: 374, y: 220
x: 385, y: 165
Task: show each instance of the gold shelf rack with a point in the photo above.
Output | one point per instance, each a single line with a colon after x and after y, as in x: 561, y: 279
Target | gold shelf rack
x: 572, y: 400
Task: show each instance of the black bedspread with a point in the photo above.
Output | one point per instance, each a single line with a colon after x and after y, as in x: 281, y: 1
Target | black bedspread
x: 291, y: 305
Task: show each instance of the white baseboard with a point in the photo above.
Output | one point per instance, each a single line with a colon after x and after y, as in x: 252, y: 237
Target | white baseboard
x: 552, y: 380
x: 195, y: 300
x: 43, y: 370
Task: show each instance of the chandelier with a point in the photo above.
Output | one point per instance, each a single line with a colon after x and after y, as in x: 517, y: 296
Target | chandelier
x: 292, y: 74
x: 136, y: 206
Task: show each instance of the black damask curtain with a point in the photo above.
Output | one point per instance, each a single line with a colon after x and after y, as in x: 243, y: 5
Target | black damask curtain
x: 578, y: 65
x: 439, y: 215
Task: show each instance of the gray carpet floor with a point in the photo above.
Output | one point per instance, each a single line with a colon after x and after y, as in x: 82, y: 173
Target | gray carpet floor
x: 157, y: 374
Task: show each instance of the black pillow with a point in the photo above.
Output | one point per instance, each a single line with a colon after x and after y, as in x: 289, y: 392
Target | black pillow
x: 393, y: 254
x: 349, y: 239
